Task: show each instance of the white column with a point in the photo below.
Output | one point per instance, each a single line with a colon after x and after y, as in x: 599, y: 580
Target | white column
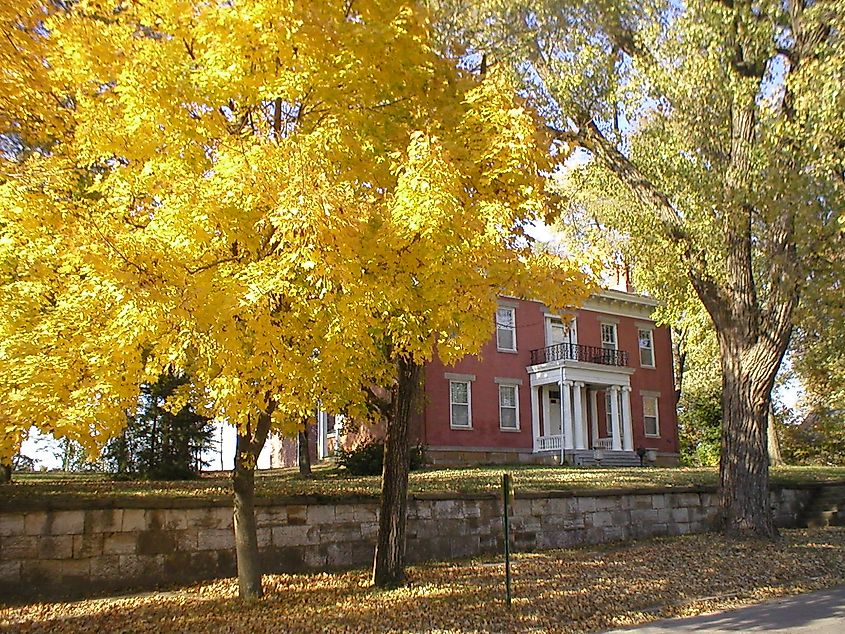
x: 535, y: 416
x: 321, y: 434
x: 578, y: 412
x: 566, y: 413
x: 614, y: 418
x: 627, y: 426
x: 594, y: 414
x: 546, y: 408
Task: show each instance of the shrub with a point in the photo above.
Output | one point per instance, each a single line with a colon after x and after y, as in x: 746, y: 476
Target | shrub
x: 368, y: 459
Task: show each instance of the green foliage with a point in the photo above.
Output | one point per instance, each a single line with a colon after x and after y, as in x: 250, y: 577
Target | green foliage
x: 158, y: 443
x: 699, y: 429
x: 368, y: 459
x: 819, y: 440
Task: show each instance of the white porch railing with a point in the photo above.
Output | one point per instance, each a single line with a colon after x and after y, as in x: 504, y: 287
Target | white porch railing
x: 603, y: 443
x: 548, y: 443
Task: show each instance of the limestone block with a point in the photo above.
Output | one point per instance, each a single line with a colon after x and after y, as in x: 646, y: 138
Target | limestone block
x: 18, y: 547
x: 422, y: 509
x: 269, y: 516
x: 366, y: 513
x: 344, y: 512
x: 443, y: 508
x: 87, y: 545
x: 658, y: 501
x: 186, y: 540
x: 321, y: 514
x: 105, y: 567
x: 643, y: 516
x: 297, y: 514
x: 36, y: 523
x: 472, y: 508
x: 156, y: 542
x: 55, y: 547
x: 680, y: 515
x: 11, y: 524
x: 265, y: 537
x: 119, y: 543
x: 215, y: 539
x: 690, y: 499
x: 216, y: 517
x: 133, y: 520
x: 141, y: 567
x: 284, y: 536
x: 67, y: 522
x: 10, y: 571
x: 600, y: 519
x: 369, y: 530
x: 103, y: 520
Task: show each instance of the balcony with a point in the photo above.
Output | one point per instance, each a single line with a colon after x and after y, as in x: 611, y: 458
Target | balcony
x: 577, y: 352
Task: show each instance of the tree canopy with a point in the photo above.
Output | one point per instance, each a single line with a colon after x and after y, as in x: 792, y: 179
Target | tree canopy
x: 714, y: 136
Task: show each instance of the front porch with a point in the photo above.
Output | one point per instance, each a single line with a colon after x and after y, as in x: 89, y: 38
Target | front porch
x: 566, y: 421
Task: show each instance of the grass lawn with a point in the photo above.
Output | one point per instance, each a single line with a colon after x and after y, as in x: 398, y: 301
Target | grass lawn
x: 584, y: 589
x: 331, y: 483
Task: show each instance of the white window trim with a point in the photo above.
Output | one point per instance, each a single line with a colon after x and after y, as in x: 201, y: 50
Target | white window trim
x: 608, y: 395
x: 640, y: 349
x: 513, y: 313
x: 615, y: 335
x: 468, y: 404
x: 656, y: 415
x: 515, y: 408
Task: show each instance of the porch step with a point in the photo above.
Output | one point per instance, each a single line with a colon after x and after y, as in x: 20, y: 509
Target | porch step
x: 604, y: 458
x: 826, y: 509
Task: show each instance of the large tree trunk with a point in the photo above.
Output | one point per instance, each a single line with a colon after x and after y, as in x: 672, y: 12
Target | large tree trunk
x: 249, y: 447
x: 304, y: 454
x: 5, y: 473
x: 389, y: 564
x: 744, y: 465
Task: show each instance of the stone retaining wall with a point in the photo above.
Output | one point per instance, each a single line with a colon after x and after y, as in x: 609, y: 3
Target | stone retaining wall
x: 121, y: 545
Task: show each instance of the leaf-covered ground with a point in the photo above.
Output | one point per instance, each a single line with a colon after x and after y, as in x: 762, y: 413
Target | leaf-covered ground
x: 332, y: 483
x: 558, y: 591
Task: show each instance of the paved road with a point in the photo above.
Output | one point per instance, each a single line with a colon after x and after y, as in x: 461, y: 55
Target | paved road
x: 820, y: 612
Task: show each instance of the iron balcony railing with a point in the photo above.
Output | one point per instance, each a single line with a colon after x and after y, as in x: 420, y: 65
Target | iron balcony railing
x: 577, y: 352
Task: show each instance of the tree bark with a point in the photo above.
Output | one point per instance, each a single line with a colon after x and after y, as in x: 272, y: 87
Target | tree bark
x: 389, y: 564
x: 775, y: 458
x: 5, y: 473
x: 249, y: 446
x: 304, y: 452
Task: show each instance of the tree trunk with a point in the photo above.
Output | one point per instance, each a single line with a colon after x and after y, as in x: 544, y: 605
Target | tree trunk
x: 775, y: 459
x: 304, y: 452
x: 5, y: 473
x: 389, y: 564
x: 249, y: 446
x: 747, y: 380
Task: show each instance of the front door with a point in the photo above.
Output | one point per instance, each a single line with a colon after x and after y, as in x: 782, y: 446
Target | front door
x: 554, y: 413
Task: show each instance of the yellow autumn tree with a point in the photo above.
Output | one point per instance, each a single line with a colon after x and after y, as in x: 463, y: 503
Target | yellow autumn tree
x: 292, y: 201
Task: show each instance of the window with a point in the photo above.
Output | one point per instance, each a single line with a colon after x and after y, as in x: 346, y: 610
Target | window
x: 460, y: 404
x: 608, y: 413
x: 646, y: 348
x: 331, y: 425
x: 506, y: 329
x: 508, y: 407
x: 650, y: 418
x: 608, y: 336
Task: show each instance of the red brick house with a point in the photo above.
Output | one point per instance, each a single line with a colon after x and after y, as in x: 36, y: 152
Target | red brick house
x: 590, y: 390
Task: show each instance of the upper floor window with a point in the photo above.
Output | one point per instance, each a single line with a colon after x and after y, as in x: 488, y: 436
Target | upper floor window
x: 646, y: 338
x: 508, y: 407
x: 506, y: 329
x: 650, y: 416
x: 460, y: 404
x: 608, y: 336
